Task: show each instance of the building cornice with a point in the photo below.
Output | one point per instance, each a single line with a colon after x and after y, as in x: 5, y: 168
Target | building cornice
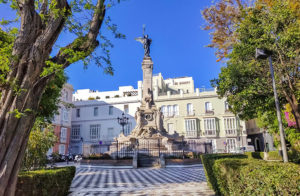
x: 103, y: 104
x: 184, y: 98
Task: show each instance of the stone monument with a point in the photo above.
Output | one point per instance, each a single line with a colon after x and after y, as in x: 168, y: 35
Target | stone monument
x: 149, y: 119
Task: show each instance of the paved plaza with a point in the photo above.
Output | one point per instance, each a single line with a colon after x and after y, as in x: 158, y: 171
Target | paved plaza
x: 143, y: 181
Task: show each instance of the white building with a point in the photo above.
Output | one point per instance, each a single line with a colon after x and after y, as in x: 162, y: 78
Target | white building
x: 198, y: 114
x: 94, y: 118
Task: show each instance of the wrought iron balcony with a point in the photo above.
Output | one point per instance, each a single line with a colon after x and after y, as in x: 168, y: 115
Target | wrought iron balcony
x: 231, y: 132
x: 209, y: 112
x: 192, y: 134
x: 210, y: 133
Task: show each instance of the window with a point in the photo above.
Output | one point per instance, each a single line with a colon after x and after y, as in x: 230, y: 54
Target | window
x: 127, y: 128
x: 65, y: 115
x: 171, y: 128
x: 94, y: 132
x: 170, y: 110
x: 189, y: 108
x: 230, y: 125
x: 95, y: 111
x: 176, y: 110
x: 67, y: 95
x: 163, y: 109
x: 110, y: 132
x: 231, y: 145
x: 63, y: 134
x: 75, y: 134
x: 77, y: 113
x: 208, y: 107
x: 226, y: 106
x: 110, y: 110
x: 210, y: 126
x: 126, y: 109
x: 50, y: 151
x: 190, y: 125
x: 61, y: 149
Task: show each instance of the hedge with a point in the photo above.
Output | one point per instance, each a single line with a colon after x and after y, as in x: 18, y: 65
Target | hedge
x: 294, y: 156
x: 256, y: 177
x: 208, y: 162
x: 274, y: 155
x: 45, y: 182
x: 255, y: 155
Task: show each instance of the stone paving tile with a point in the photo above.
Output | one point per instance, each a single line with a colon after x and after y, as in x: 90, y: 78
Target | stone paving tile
x: 143, y: 181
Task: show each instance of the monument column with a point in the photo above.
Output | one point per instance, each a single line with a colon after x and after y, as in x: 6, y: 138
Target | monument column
x: 147, y: 66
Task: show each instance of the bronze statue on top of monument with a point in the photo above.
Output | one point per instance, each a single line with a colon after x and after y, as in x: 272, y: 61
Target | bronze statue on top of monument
x: 146, y: 43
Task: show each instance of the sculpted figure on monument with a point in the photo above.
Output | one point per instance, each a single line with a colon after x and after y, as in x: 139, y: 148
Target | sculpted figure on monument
x: 146, y: 43
x: 139, y: 122
x: 148, y: 99
x: 159, y: 120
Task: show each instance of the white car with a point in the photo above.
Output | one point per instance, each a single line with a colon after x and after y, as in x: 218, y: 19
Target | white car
x: 77, y: 158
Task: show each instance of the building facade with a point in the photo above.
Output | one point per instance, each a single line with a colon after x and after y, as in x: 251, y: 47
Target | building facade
x: 94, y: 118
x: 198, y: 114
x: 62, y: 122
x: 259, y: 137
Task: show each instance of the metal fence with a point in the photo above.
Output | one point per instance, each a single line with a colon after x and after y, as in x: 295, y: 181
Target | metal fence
x: 156, y: 148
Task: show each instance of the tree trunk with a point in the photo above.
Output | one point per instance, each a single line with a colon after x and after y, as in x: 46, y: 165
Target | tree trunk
x: 20, y: 99
x: 14, y: 141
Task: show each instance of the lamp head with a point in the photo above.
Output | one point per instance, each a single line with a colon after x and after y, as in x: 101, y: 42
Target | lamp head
x: 262, y: 53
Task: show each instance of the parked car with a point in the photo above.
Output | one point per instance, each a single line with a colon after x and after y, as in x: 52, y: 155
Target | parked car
x: 77, y: 158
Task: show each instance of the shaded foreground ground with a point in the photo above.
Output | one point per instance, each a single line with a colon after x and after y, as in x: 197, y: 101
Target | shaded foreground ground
x: 143, y: 181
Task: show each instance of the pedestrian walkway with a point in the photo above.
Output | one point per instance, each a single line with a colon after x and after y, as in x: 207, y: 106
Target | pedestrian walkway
x: 143, y: 181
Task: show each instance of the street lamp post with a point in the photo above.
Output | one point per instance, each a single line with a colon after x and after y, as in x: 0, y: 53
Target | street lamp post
x: 263, y: 54
x: 123, y: 121
x: 81, y: 139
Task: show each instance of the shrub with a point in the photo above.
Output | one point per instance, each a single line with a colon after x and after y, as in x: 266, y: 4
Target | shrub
x: 274, y: 155
x: 45, y: 182
x: 255, y: 155
x: 208, y: 162
x: 294, y: 156
x: 256, y: 177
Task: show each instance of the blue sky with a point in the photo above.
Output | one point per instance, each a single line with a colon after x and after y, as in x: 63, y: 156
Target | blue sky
x: 178, y: 44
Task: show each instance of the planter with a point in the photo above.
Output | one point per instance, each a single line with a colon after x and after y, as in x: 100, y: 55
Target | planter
x: 109, y: 162
x: 182, y: 161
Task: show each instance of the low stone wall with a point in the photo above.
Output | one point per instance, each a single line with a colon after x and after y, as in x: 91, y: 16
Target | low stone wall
x: 182, y: 161
x: 103, y: 162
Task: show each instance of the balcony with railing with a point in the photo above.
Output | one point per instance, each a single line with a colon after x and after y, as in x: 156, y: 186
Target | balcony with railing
x: 190, y: 113
x: 75, y: 137
x: 192, y: 134
x: 231, y: 132
x: 209, y: 112
x: 210, y: 133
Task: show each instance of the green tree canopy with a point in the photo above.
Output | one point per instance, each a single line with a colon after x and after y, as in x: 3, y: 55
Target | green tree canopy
x: 246, y: 81
x: 30, y: 66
